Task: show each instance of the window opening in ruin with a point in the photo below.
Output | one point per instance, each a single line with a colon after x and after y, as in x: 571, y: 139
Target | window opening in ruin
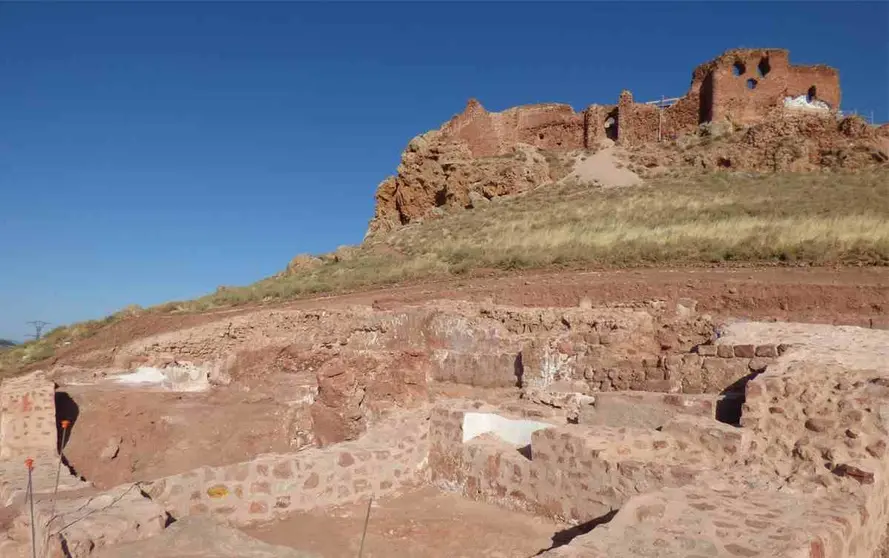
x: 811, y: 94
x: 611, y: 127
x: 705, y: 110
x: 763, y: 68
x: 739, y: 69
x: 751, y: 83
x: 540, y: 136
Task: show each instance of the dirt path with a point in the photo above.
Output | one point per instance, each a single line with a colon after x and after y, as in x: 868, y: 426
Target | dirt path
x: 849, y: 296
x: 422, y: 523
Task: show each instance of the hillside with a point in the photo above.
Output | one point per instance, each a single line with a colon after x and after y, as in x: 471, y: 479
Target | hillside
x: 771, y: 177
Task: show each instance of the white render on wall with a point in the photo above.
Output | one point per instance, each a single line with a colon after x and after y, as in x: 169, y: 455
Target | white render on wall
x: 514, y: 431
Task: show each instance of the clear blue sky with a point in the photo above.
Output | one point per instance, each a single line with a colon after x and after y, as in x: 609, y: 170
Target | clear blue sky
x: 153, y: 151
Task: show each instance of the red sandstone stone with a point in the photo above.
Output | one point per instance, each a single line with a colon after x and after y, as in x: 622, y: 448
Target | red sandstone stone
x: 769, y: 351
x: 258, y: 507
x: 745, y: 351
x: 312, y: 481
x: 862, y: 476
x: 707, y: 350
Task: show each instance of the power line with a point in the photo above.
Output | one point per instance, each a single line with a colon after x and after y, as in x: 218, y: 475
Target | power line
x: 39, y: 325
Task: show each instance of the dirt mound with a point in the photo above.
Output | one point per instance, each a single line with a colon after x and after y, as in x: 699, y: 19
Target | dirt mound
x: 603, y: 168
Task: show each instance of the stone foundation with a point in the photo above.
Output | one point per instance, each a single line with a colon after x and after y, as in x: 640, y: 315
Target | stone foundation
x: 387, y: 459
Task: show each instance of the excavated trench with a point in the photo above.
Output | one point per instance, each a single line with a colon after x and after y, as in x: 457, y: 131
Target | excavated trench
x: 283, y: 381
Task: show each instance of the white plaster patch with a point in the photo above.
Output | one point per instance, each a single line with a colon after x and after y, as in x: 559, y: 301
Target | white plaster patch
x: 174, y: 378
x: 554, y: 366
x: 143, y: 375
x: 514, y: 431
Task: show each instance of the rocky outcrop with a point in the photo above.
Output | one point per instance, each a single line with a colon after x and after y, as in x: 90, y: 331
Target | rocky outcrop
x: 438, y: 171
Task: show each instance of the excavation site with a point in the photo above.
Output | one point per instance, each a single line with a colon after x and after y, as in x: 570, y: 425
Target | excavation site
x: 457, y: 428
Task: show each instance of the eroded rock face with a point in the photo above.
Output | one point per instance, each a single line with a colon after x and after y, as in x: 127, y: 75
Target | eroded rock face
x: 440, y: 171
x: 356, y: 388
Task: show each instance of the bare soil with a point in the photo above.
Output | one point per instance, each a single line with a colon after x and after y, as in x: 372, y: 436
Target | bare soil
x: 424, y: 522
x: 124, y: 435
x: 842, y: 296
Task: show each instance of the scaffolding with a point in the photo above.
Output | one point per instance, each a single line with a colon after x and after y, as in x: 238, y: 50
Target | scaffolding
x: 661, y: 104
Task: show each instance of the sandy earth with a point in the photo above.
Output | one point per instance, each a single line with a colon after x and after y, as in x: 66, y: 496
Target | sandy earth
x: 424, y: 523
x: 603, y: 167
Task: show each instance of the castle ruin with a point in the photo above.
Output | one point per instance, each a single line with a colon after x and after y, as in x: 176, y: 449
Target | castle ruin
x: 743, y: 86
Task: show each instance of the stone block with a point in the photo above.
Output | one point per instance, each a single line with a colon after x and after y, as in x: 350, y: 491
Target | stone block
x: 768, y: 351
x: 716, y: 438
x: 707, y: 350
x: 745, y: 351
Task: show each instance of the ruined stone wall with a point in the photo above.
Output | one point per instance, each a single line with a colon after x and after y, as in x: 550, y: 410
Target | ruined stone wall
x: 748, y: 84
x: 573, y: 472
x: 386, y: 459
x: 811, y: 476
x: 27, y: 417
x: 682, y: 117
x: 597, y: 126
x: 817, y: 419
x: 547, y: 126
x: 637, y: 123
x: 602, y: 367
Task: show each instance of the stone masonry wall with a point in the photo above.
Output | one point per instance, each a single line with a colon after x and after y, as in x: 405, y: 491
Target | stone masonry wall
x: 594, y: 367
x: 387, y: 458
x: 27, y: 417
x: 637, y: 123
x: 814, y: 479
x: 829, y: 422
x: 573, y: 473
x: 764, y: 78
x: 548, y: 126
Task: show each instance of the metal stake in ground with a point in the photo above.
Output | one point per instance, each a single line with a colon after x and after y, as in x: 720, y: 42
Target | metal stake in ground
x: 29, y: 463
x: 55, y: 491
x: 366, y: 520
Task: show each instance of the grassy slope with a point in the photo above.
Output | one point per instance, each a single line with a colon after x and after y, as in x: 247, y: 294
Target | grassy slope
x: 820, y: 218
x: 823, y: 218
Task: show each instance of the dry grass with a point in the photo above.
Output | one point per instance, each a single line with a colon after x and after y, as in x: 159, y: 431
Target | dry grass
x: 818, y: 218
x: 20, y: 356
x: 825, y: 218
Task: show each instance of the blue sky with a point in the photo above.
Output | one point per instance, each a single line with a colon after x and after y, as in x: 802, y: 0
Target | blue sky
x: 153, y: 151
